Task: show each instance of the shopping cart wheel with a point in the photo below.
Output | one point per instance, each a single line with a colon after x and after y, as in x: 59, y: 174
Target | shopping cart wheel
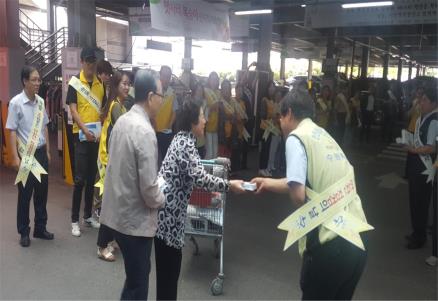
x: 195, y: 245
x: 217, y: 286
x: 216, y: 245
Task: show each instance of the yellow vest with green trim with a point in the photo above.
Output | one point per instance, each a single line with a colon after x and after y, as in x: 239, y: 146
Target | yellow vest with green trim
x: 213, y: 98
x: 85, y: 110
x: 103, y: 151
x: 326, y: 164
x: 164, y: 116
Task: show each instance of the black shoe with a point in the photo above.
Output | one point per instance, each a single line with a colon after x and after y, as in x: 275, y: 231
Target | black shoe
x: 25, y: 241
x: 43, y: 235
x: 413, y: 245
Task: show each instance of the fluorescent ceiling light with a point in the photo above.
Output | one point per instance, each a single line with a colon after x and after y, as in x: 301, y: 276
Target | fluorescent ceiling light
x: 367, y: 4
x: 114, y: 20
x: 253, y: 12
x: 303, y: 5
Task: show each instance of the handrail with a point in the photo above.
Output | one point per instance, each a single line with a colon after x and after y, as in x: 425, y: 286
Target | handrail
x: 51, y: 36
x: 50, y: 51
x: 29, y: 19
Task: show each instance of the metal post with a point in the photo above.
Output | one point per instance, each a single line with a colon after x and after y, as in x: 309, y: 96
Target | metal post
x: 352, y: 59
x: 399, y: 70
x: 365, y: 61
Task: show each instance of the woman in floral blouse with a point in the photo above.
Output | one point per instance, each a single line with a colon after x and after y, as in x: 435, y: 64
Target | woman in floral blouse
x: 182, y: 171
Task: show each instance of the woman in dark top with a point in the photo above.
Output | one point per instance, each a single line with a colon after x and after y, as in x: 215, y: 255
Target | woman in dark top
x: 182, y: 171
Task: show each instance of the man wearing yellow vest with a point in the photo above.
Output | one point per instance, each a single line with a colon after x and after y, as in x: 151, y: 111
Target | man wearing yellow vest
x: 85, y: 96
x: 166, y: 116
x: 329, y: 215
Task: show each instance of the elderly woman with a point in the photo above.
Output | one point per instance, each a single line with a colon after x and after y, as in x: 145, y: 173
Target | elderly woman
x: 182, y: 171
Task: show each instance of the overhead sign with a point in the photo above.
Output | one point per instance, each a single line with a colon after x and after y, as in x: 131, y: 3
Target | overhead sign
x: 191, y: 18
x: 402, y: 12
x: 140, y: 23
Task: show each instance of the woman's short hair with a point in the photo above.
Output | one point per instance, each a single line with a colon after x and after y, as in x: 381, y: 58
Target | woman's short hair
x: 188, y: 115
x: 145, y: 82
x: 25, y: 73
x: 299, y: 102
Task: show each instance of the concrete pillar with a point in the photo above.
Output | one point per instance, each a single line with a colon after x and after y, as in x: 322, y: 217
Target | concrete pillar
x: 283, y: 67
x: 265, y: 40
x: 410, y: 70
x: 424, y: 70
x: 417, y: 72
x: 81, y: 23
x: 365, y: 61
x: 309, y: 70
x: 400, y: 69
x: 330, y: 46
x: 50, y: 16
x: 244, y: 59
x: 385, y: 65
x: 11, y: 63
x: 188, y: 62
x: 352, y: 59
x: 346, y: 69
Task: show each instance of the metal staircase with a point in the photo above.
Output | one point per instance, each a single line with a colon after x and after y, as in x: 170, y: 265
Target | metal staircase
x: 42, y: 48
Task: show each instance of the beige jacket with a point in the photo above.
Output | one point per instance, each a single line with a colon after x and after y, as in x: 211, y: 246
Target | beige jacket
x: 131, y: 196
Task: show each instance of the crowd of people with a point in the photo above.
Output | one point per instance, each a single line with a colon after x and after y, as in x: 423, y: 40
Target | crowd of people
x: 146, y: 161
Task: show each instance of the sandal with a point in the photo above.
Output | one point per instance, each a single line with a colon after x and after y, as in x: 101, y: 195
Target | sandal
x: 105, y: 255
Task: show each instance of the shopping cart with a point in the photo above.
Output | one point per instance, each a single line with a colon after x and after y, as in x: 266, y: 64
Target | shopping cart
x: 205, y: 217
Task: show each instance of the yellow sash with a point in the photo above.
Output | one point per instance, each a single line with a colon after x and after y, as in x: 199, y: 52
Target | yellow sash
x: 28, y: 161
x: 327, y: 209
x: 240, y: 110
x: 269, y: 127
x: 85, y: 92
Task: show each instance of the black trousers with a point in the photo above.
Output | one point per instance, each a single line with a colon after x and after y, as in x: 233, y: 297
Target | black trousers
x: 236, y: 154
x: 264, y: 153
x: 104, y: 236
x: 367, y: 120
x: 420, y: 194
x: 168, y: 265
x: 85, y: 176
x: 136, y: 251
x: 340, y: 128
x: 39, y: 192
x: 331, y: 271
x: 163, y: 141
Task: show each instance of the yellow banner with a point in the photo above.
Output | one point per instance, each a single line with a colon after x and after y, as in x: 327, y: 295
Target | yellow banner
x: 100, y: 183
x: 246, y: 135
x: 327, y: 209
x: 269, y: 128
x: 85, y: 92
x: 28, y: 161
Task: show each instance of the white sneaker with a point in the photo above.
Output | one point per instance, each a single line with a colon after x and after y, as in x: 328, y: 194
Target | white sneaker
x: 75, y: 230
x: 92, y: 222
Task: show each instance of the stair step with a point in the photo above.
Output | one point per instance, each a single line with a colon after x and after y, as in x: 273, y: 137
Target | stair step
x: 391, y: 157
x: 395, y: 153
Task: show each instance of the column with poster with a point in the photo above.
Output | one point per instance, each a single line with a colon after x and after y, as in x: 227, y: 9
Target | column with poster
x: 71, y: 67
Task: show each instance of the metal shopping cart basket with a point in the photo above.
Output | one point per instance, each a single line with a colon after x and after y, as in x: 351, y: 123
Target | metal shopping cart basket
x: 205, y: 217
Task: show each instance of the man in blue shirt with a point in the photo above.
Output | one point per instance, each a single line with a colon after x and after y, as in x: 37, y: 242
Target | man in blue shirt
x: 20, y: 123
